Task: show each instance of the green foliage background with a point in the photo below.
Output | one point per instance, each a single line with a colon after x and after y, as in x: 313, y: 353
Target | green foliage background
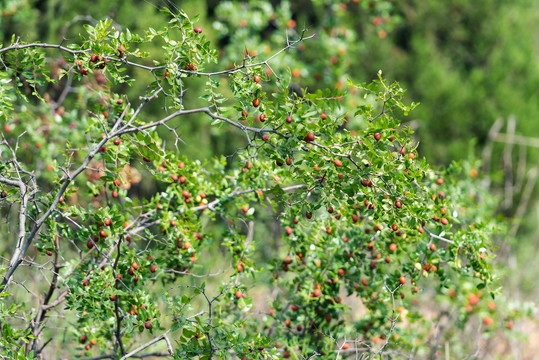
x: 467, y: 63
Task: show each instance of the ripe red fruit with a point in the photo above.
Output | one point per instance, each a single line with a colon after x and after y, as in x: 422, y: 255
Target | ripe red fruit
x: 108, y: 221
x: 90, y: 244
x: 3, y: 195
x: 289, y: 119
x: 83, y: 339
x: 309, y: 137
x: 287, y: 260
x: 440, y: 181
x: 262, y: 117
x: 117, y: 182
x: 393, y: 247
x: 308, y: 215
x: 394, y: 227
x: 398, y: 204
x: 288, y: 230
x: 402, y: 280
x: 338, y: 162
x: 432, y: 247
x: 345, y: 346
x: 152, y: 268
x: 174, y: 177
x: 265, y: 137
x: 256, y: 102
x: 444, y: 221
x: 256, y: 78
x: 288, y: 161
x: 245, y: 208
x: 323, y: 116
x: 197, y: 30
x: 487, y: 320
x: 103, y: 233
x: 239, y: 295
x: 244, y: 113
x: 377, y: 136
x: 340, y: 272
x: 365, y: 182
x: 317, y: 292
x: 183, y: 179
x: 186, y: 194
x: 114, y: 193
x: 117, y: 141
x: 328, y: 230
x: 402, y: 150
x: 134, y: 266
x: 148, y: 325
x: 388, y: 260
x: 112, y: 298
x: 181, y: 165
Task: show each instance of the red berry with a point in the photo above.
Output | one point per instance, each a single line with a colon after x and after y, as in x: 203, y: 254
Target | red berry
x: 103, y: 233
x: 289, y: 119
x: 117, y: 141
x: 377, y: 136
x: 309, y: 137
x: 152, y: 268
x: 197, y: 30
x: 256, y: 102
x: 402, y: 280
x: 256, y: 78
x: 148, y: 325
x: 432, y: 247
x: 338, y: 162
